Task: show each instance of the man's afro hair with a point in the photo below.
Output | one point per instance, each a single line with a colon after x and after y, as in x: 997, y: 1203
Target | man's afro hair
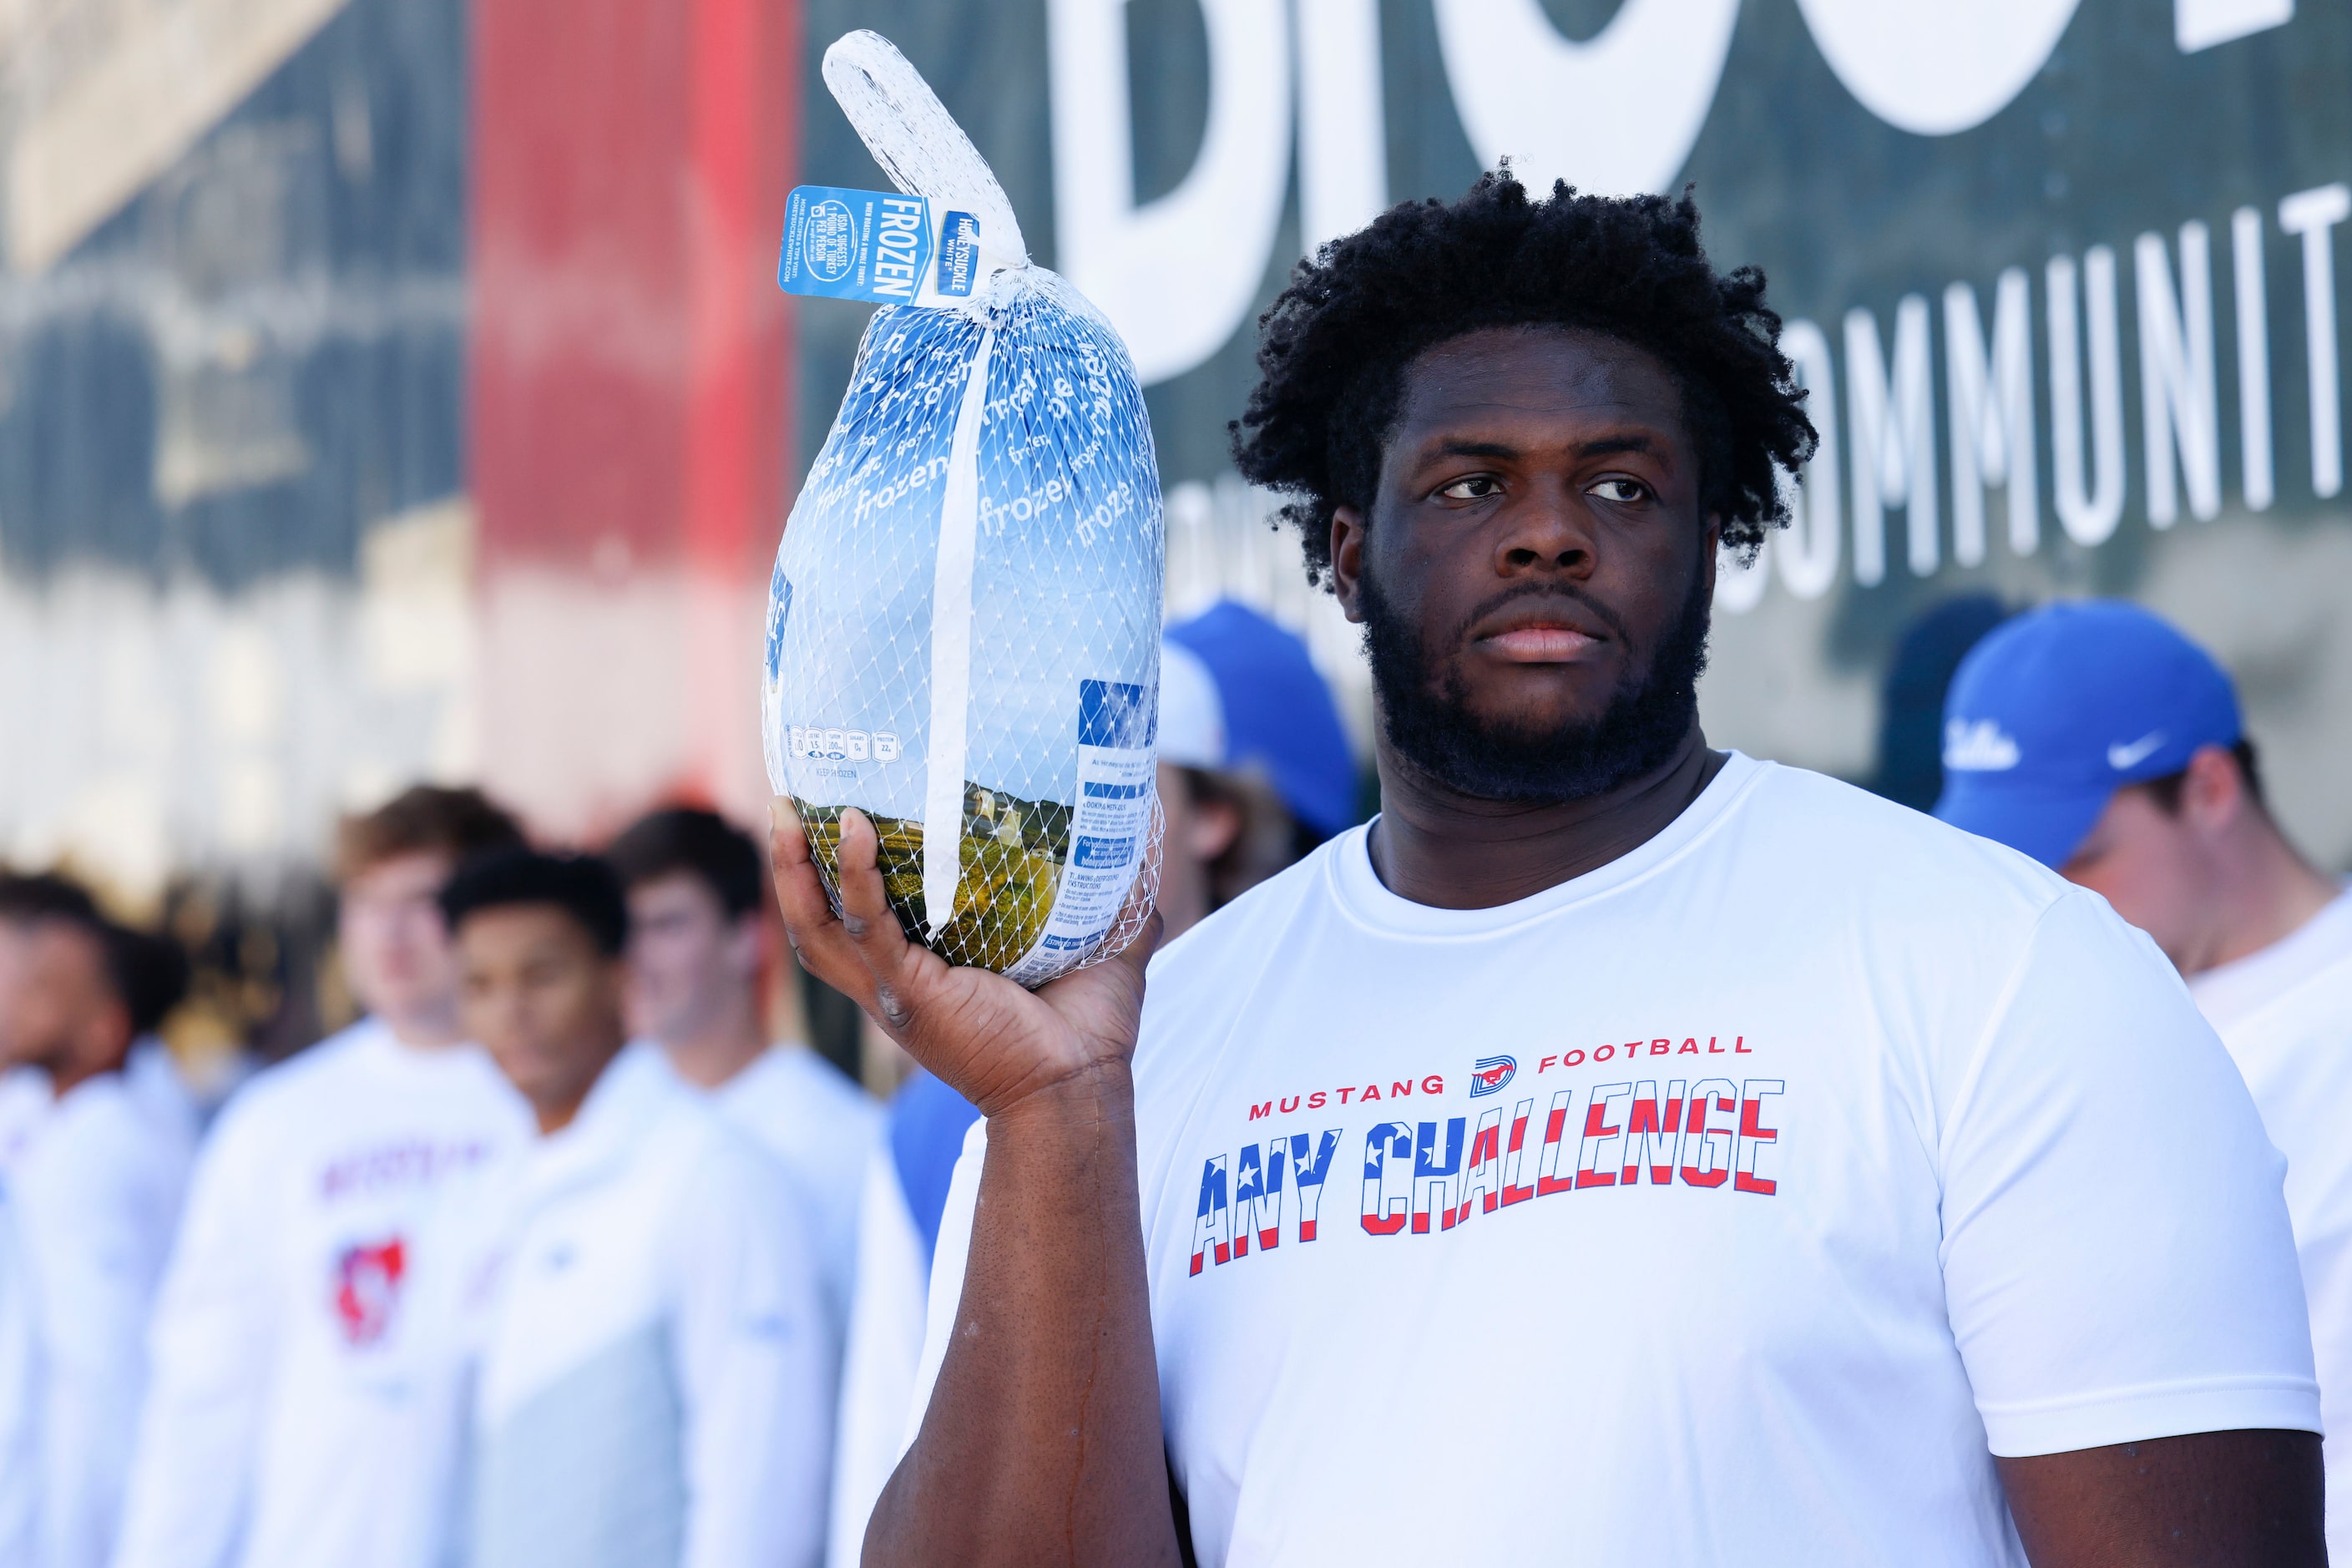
x: 1334, y: 347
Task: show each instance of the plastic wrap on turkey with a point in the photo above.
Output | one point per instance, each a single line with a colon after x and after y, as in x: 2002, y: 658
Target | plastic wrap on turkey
x: 964, y: 619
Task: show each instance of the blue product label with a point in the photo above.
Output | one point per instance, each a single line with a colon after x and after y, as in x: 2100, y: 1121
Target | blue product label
x: 843, y: 244
x: 1116, y: 853
x: 959, y: 254
x: 1115, y: 713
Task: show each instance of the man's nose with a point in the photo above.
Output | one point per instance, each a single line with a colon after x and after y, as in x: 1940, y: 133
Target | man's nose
x: 1547, y: 530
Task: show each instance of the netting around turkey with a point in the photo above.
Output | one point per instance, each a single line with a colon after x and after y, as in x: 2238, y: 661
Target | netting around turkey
x: 1050, y: 626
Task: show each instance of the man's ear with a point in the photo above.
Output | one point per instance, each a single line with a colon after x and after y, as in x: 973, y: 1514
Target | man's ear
x: 746, y: 942
x: 1213, y: 825
x: 2215, y: 795
x: 1347, y: 560
x: 107, y: 1036
x: 1711, y: 553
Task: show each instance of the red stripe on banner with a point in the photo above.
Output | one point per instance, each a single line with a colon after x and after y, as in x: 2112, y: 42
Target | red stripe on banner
x: 744, y: 134
x: 578, y: 323
x: 629, y: 378
x: 629, y: 345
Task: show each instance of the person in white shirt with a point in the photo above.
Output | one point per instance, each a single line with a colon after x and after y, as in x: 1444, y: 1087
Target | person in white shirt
x: 897, y: 1231
x: 652, y: 1385
x: 98, y: 1182
x: 295, y: 1415
x: 20, y: 1398
x: 2099, y: 740
x: 1620, y: 1151
x: 699, y: 943
x: 26, y: 1097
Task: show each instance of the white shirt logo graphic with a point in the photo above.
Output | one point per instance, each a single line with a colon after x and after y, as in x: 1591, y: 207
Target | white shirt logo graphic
x: 1978, y: 748
x: 2120, y: 757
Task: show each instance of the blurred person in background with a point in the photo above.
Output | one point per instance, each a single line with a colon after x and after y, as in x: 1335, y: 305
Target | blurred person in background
x: 156, y: 976
x: 1254, y: 771
x: 699, y: 946
x: 97, y: 1183
x: 26, y: 900
x: 295, y: 1417
x: 20, y: 1467
x: 898, y: 1226
x: 652, y: 1384
x: 146, y: 975
x: 2100, y: 740
x: 1911, y: 697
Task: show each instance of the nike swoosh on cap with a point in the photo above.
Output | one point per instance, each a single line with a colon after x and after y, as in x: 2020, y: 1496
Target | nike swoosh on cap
x: 2120, y: 757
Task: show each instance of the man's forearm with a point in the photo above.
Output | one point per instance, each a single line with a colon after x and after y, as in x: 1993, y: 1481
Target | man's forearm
x: 2214, y: 1500
x: 1042, y: 1442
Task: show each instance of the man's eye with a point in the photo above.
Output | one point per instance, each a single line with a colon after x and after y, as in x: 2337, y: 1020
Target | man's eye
x: 1624, y: 490
x: 1477, y: 487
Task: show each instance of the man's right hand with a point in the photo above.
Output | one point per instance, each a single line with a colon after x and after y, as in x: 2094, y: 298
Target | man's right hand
x: 993, y: 1042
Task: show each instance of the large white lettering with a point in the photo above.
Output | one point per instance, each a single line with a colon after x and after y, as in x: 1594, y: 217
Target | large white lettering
x: 2313, y: 215
x: 1343, y: 166
x: 2202, y: 23
x: 2176, y: 399
x: 1616, y: 115
x: 1177, y: 275
x: 1991, y: 414
x: 2254, y: 358
x: 1931, y: 67
x: 1892, y: 420
x: 2090, y: 515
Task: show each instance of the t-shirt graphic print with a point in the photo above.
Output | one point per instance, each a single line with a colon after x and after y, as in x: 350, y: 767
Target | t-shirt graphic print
x: 1431, y: 1174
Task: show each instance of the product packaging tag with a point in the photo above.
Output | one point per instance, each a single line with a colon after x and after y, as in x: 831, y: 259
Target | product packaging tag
x: 1109, y: 829
x: 880, y: 246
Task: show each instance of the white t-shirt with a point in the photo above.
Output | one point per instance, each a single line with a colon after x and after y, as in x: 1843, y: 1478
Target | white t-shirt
x: 25, y: 1102
x: 20, y: 1399
x: 822, y: 1129
x: 2285, y: 1013
x: 1733, y: 1203
x: 98, y: 1182
x: 879, y: 1358
x: 654, y: 1380
x: 296, y: 1415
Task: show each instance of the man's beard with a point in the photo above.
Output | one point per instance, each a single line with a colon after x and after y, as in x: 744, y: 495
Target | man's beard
x: 1429, y: 721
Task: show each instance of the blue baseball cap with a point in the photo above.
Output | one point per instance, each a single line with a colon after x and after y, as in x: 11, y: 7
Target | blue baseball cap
x: 2054, y: 712
x: 1273, y: 710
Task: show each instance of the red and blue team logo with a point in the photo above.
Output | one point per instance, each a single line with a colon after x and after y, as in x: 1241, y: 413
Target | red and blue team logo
x: 367, y: 1288
x: 1489, y: 1074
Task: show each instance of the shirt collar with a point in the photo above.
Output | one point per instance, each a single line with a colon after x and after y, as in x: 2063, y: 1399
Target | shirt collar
x: 1361, y: 895
x: 2229, y: 994
x: 627, y: 1098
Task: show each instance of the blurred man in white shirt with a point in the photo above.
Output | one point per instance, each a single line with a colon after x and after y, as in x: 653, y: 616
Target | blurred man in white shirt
x: 652, y: 1384
x: 97, y: 1180
x: 699, y: 943
x: 26, y: 1097
x: 2100, y: 740
x: 297, y: 1416
x: 20, y: 1470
